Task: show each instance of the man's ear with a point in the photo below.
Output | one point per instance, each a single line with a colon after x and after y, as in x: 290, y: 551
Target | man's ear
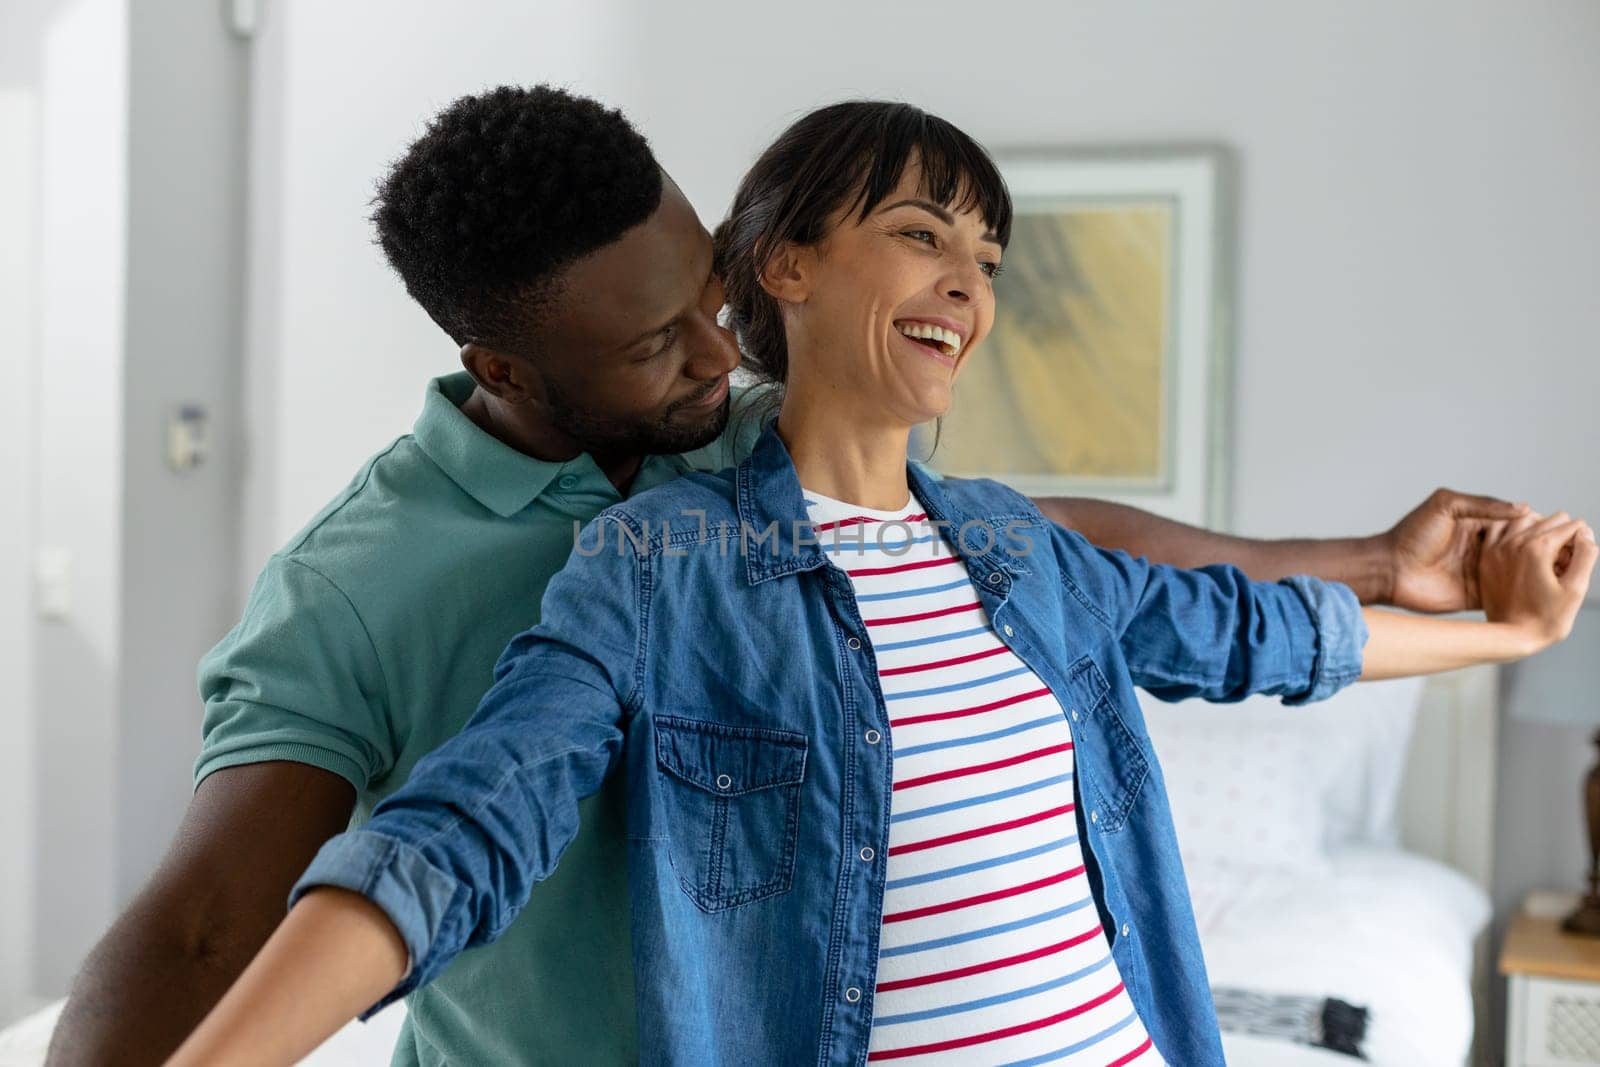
x: 507, y: 378
x: 787, y: 274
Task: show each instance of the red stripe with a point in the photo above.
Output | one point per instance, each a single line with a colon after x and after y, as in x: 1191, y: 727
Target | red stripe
x: 925, y: 615
x: 900, y: 568
x: 944, y: 662
x: 982, y: 831
x: 1130, y: 1057
x: 992, y: 965
x: 996, y: 1035
x: 859, y: 520
x: 962, y: 772
x: 983, y: 898
x: 912, y: 720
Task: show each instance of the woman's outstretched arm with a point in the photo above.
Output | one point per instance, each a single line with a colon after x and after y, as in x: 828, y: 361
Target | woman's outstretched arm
x: 336, y: 953
x: 1534, y: 574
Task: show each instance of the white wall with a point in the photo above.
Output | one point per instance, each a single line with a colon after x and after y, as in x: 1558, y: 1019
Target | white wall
x: 1419, y: 235
x: 141, y: 268
x: 18, y: 361
x: 83, y: 227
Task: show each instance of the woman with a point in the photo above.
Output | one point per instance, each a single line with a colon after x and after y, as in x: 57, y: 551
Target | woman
x: 891, y: 797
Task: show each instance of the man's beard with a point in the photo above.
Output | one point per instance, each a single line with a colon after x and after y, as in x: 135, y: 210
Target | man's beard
x: 661, y: 436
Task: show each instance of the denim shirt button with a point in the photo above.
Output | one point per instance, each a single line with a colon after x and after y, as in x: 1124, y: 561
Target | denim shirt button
x: 873, y: 737
x: 1094, y: 817
x: 994, y: 578
x: 867, y: 854
x: 1007, y: 628
x: 1074, y: 714
x: 723, y: 781
x: 853, y: 644
x: 852, y: 994
x: 1124, y: 929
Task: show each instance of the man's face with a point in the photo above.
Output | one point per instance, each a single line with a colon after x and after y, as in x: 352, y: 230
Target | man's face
x: 631, y: 356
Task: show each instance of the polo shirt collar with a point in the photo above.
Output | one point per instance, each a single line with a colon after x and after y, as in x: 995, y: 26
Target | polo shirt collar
x: 492, y: 472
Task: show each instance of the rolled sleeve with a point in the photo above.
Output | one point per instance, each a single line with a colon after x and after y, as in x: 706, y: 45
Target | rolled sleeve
x: 417, y: 896
x: 1341, y: 636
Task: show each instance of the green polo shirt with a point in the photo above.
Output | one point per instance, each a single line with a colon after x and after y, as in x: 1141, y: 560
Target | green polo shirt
x: 368, y: 640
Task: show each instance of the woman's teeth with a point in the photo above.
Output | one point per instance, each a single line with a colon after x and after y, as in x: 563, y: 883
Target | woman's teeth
x: 949, y: 341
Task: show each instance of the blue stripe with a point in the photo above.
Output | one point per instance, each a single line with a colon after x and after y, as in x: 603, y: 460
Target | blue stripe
x: 975, y: 739
x: 973, y: 684
x: 940, y: 809
x: 999, y: 998
x: 894, y: 646
x: 1063, y: 1053
x: 861, y: 546
x: 902, y: 594
x: 988, y: 931
x: 951, y: 872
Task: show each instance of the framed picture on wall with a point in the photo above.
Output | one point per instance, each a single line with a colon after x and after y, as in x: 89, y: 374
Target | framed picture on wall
x: 1106, y: 374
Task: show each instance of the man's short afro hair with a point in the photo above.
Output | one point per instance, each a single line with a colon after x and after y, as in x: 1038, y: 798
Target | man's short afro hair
x: 504, y: 190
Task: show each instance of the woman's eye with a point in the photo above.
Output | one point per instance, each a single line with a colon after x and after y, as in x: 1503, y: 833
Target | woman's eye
x: 925, y: 236
x: 992, y: 269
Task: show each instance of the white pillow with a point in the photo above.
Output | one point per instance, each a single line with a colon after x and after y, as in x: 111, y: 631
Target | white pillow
x: 1239, y: 795
x: 1348, y: 754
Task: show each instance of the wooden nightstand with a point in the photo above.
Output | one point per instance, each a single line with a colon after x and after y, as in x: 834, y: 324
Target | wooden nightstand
x: 1554, y: 993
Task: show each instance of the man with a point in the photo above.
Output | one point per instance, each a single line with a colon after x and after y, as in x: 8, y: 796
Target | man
x: 538, y: 231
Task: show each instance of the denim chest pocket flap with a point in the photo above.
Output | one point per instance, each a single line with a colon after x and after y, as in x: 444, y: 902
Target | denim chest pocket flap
x: 731, y: 805
x: 1105, y: 746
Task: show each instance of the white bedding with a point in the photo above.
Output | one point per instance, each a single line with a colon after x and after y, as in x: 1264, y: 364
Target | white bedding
x: 1388, y: 930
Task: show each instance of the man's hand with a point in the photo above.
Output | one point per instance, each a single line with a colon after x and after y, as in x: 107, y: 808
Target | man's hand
x: 1435, y: 550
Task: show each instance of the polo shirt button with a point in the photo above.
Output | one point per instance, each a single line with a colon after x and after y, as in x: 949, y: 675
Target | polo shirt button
x: 873, y: 737
x: 723, y: 781
x: 854, y: 644
x: 867, y: 854
x: 1008, y: 630
x: 567, y: 481
x: 852, y: 994
x: 994, y: 578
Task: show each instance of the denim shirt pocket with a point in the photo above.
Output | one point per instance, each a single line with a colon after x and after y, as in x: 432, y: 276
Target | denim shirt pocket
x: 1111, y: 762
x: 731, y: 796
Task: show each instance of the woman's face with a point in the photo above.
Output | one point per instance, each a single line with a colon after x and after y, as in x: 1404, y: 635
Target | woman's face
x: 895, y: 304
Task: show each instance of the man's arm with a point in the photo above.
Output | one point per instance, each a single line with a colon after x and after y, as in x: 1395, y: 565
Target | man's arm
x: 221, y: 890
x: 1426, y: 562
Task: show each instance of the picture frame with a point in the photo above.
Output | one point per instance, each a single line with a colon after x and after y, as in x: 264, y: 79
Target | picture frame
x: 1108, y: 371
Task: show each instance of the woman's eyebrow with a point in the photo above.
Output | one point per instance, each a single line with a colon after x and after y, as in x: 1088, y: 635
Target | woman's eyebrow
x: 939, y: 213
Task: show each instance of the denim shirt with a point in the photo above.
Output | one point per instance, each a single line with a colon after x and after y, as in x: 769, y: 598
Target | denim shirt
x: 700, y: 642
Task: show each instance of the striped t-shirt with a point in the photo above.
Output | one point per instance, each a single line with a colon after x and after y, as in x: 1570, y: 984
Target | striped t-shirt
x: 992, y: 950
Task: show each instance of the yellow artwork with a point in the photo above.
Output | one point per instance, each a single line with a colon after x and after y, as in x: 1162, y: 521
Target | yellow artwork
x: 1074, y: 382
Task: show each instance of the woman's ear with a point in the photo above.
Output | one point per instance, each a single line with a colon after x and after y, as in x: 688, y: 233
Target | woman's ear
x: 787, y: 274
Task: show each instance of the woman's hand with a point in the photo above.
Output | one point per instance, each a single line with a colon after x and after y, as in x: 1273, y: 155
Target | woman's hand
x: 1533, y: 573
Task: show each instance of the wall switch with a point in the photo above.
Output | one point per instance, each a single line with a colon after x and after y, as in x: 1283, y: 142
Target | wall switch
x: 186, y: 438
x: 53, y: 583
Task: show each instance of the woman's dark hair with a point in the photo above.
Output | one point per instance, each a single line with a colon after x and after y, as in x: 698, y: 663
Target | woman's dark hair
x: 843, y: 157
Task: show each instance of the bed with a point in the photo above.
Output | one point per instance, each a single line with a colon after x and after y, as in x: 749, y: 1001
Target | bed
x: 1343, y: 851
x: 1339, y: 850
